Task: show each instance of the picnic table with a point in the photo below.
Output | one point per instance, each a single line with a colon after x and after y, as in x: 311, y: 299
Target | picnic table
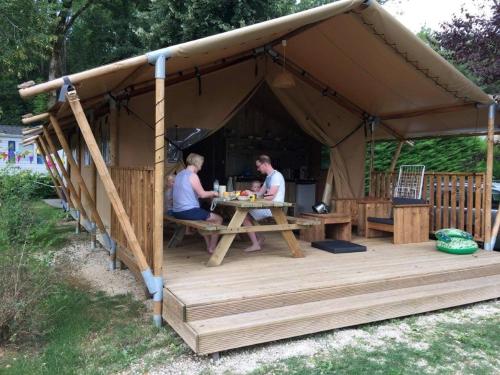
x: 284, y: 224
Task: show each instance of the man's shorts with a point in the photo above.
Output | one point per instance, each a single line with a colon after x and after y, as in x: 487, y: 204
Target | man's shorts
x: 260, y: 213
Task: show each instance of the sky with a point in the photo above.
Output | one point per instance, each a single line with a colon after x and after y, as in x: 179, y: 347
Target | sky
x: 415, y: 14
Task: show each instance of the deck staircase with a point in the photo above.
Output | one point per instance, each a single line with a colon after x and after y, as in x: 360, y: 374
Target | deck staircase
x: 227, y: 324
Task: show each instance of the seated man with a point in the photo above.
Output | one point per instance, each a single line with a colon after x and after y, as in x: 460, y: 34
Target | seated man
x: 273, y: 189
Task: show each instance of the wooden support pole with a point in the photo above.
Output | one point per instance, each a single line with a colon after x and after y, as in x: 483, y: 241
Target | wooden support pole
x: 74, y: 167
x: 159, y: 171
x: 93, y: 187
x: 488, y: 184
x: 496, y: 228
x: 73, y: 194
x: 396, y: 156
x: 102, y: 169
x: 32, y: 131
x: 79, y: 77
x: 32, y: 119
x: 79, y: 162
x: 328, y: 190
x: 52, y: 177
x: 55, y: 171
x: 372, y: 146
x: 113, y: 133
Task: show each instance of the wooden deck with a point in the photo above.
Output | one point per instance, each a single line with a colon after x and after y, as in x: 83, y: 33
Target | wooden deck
x: 268, y: 295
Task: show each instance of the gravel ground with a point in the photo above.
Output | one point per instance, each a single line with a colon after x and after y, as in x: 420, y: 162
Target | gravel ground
x: 91, y: 267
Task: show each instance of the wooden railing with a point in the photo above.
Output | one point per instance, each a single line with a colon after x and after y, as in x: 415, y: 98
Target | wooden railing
x: 457, y: 199
x: 135, y: 187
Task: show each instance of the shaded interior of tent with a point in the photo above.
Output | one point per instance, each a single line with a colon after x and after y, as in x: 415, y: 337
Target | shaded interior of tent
x: 358, y: 76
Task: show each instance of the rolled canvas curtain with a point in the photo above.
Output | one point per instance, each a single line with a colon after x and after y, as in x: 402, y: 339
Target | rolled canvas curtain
x: 326, y: 121
x: 206, y: 104
x: 209, y: 103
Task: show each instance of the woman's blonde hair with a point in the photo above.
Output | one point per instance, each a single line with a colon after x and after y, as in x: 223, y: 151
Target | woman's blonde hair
x: 195, y: 159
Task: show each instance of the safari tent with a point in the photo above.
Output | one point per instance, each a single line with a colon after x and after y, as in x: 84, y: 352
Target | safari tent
x: 347, y: 74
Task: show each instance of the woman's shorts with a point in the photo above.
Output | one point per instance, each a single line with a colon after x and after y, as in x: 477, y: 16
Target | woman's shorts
x: 192, y: 214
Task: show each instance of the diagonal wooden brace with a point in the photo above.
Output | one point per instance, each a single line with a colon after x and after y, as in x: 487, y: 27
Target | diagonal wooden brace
x: 73, y: 193
x: 74, y: 169
x: 108, y: 183
x: 52, y: 177
x: 54, y: 170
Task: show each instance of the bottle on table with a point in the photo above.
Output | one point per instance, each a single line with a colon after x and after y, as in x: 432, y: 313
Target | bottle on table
x: 216, y: 185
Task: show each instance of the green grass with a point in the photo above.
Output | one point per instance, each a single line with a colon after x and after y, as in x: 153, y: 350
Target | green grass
x: 471, y: 347
x: 84, y: 332
x: 50, y: 230
x: 91, y: 333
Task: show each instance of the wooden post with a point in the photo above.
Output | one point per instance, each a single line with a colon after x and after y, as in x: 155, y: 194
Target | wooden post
x: 327, y: 192
x: 113, y: 133
x: 85, y: 192
x: 372, y: 146
x: 79, y: 162
x: 114, y: 198
x: 396, y: 157
x: 69, y: 184
x: 56, y: 186
x: 489, y: 242
x: 55, y: 171
x: 93, y: 176
x: 159, y: 171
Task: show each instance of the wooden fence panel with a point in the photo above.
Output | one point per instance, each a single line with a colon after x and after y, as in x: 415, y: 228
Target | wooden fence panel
x: 135, y: 188
x: 457, y: 199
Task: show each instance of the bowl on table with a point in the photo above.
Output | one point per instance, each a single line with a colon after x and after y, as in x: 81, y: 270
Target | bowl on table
x: 243, y: 198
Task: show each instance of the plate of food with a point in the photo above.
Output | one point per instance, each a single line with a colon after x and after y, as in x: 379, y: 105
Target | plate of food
x: 243, y: 198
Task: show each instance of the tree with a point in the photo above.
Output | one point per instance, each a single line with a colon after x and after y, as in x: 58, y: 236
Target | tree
x: 474, y: 42
x: 168, y: 22
x: 26, y: 46
x: 106, y: 32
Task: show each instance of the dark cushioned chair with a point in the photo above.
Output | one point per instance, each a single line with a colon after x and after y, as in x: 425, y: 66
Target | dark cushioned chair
x: 409, y: 221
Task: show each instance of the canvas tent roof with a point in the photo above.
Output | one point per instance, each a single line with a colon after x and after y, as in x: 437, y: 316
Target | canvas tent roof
x: 351, y: 59
x: 353, y: 48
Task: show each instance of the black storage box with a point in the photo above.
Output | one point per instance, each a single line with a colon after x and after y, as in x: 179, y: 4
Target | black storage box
x: 338, y: 246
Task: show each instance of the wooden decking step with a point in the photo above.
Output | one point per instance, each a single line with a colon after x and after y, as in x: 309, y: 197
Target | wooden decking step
x: 219, y: 308
x: 248, y: 328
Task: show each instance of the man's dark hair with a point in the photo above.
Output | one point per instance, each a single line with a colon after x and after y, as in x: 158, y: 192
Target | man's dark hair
x: 264, y: 159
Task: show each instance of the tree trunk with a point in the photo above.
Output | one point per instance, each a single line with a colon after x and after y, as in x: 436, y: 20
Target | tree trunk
x: 66, y: 19
x: 55, y: 66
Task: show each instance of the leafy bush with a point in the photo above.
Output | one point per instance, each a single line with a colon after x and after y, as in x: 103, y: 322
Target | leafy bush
x: 27, y: 184
x: 25, y: 278
x: 25, y: 284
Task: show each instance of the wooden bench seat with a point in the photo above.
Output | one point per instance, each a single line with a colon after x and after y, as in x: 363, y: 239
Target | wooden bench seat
x: 205, y: 227
x: 196, y: 224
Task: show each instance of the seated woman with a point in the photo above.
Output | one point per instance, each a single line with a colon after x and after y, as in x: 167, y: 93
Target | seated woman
x: 186, y: 192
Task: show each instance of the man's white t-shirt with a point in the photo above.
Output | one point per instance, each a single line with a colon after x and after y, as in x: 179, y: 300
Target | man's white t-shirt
x: 276, y: 179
